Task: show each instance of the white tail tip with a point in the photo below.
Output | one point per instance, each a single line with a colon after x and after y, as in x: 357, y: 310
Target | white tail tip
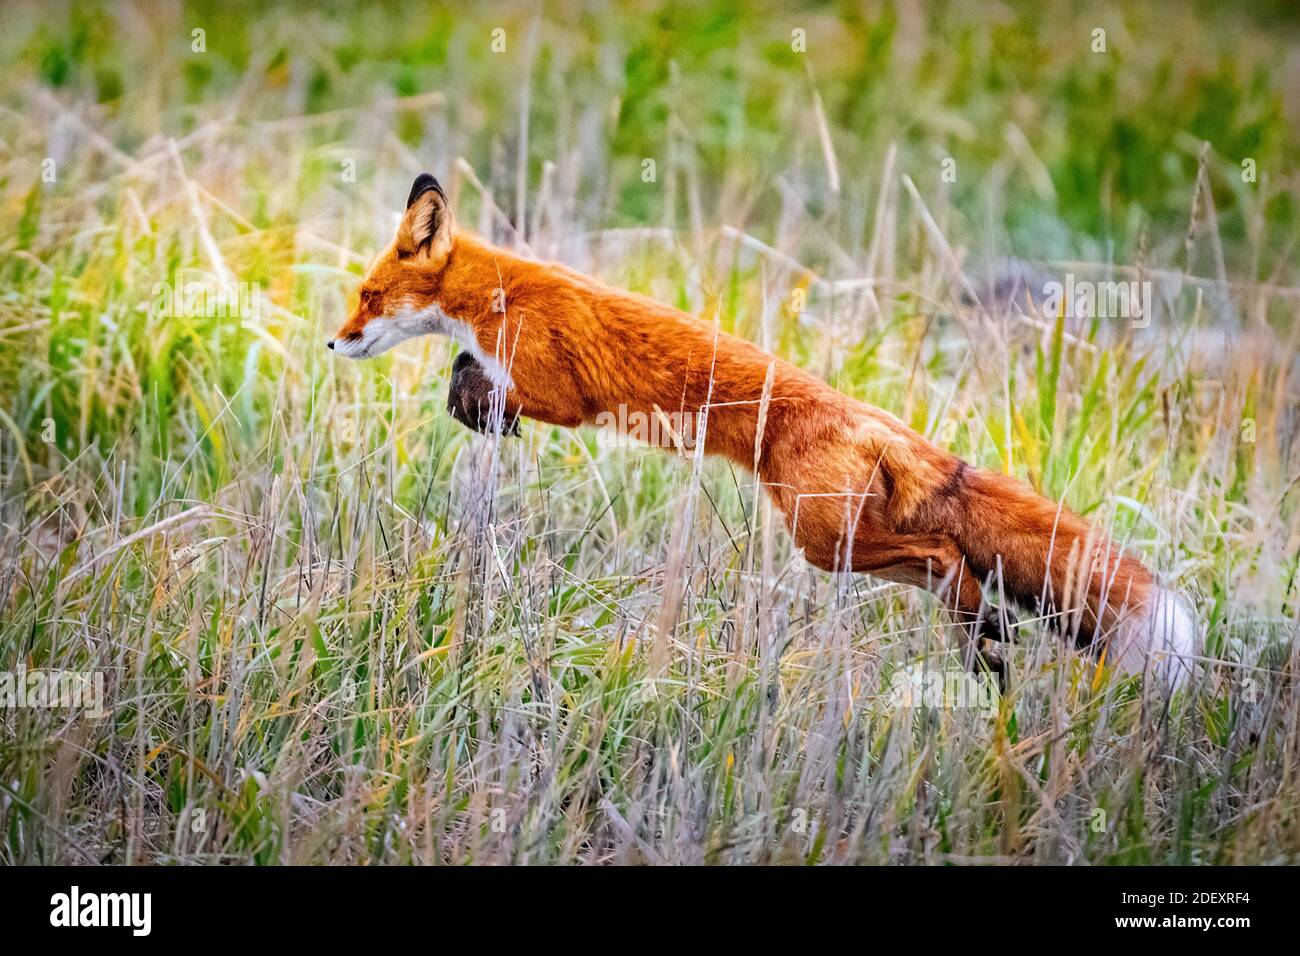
x: 1161, y: 641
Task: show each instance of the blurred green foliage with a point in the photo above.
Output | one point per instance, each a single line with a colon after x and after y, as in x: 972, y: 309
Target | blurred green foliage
x: 1006, y: 90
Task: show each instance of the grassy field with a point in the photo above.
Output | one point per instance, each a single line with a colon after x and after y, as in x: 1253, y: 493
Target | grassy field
x: 334, y: 627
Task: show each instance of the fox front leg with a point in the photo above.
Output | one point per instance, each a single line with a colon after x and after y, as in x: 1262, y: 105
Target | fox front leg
x: 469, y: 399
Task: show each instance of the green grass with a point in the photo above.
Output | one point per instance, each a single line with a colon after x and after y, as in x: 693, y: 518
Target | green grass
x: 335, y: 627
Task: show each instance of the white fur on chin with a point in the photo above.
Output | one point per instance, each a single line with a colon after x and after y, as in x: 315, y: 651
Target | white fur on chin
x: 382, y: 333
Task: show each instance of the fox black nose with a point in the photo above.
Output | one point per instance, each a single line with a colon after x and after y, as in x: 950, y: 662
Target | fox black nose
x: 329, y: 344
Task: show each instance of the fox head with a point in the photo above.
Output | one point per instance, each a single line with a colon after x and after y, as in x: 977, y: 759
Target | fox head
x: 398, y: 297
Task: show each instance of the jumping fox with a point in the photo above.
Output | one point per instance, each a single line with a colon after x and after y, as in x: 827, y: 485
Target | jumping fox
x: 859, y: 489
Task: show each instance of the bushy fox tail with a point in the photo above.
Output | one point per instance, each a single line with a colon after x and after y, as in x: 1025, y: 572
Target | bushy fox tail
x: 1050, y: 559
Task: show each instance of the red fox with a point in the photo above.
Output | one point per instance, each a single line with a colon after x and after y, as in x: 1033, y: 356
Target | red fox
x: 859, y: 489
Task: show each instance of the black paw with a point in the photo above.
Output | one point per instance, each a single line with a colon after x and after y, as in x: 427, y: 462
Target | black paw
x: 988, y: 648
x: 469, y: 399
x: 991, y: 625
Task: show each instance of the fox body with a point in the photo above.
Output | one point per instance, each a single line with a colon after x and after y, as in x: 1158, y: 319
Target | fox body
x: 859, y: 490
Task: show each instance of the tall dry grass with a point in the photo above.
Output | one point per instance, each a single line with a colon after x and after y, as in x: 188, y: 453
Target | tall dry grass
x: 336, y: 628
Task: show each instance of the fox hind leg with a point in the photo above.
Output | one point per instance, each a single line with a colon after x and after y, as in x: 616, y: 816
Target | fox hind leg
x: 934, y: 562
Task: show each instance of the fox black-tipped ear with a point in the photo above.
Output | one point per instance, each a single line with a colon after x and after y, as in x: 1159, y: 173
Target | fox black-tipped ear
x: 423, y: 183
x: 427, y: 224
